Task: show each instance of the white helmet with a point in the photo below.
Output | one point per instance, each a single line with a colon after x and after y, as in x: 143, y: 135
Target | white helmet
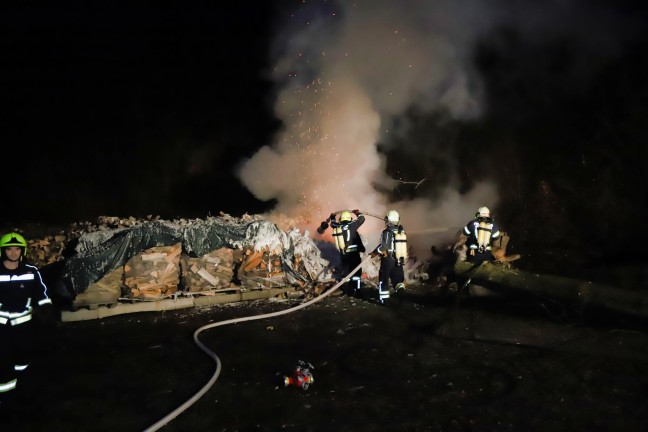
x: 483, y: 212
x: 393, y: 217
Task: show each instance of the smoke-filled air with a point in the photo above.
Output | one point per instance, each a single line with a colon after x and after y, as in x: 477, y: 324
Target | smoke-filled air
x: 346, y: 73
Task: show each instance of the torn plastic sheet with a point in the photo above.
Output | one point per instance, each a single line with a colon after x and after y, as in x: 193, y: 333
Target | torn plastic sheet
x: 99, y: 253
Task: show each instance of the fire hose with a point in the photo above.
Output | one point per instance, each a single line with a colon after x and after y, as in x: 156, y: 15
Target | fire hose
x: 189, y: 402
x: 324, y: 225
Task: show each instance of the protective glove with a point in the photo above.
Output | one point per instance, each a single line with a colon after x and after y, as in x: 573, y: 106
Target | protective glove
x: 332, y: 217
x: 356, y: 212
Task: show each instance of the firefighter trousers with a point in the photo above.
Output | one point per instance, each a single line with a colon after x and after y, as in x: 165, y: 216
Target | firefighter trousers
x: 16, y: 347
x: 351, y: 260
x: 390, y: 270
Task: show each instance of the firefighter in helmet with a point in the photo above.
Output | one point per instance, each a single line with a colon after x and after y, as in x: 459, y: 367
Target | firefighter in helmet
x: 21, y: 290
x: 393, y: 253
x: 479, y: 235
x: 349, y: 244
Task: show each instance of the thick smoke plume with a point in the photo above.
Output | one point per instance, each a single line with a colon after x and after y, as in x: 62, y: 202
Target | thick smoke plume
x: 343, y: 72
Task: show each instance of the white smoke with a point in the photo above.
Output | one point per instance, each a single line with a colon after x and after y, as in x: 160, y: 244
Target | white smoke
x: 343, y: 72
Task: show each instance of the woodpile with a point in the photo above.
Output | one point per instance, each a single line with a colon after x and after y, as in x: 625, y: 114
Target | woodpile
x: 257, y: 264
x: 153, y: 273
x: 46, y: 250
x: 211, y: 272
x: 163, y: 271
x: 261, y: 269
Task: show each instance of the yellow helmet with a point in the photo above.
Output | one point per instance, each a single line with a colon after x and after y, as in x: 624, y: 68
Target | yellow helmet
x: 345, y: 216
x: 14, y: 239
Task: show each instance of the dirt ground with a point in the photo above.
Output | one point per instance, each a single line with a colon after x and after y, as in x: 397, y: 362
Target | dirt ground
x: 424, y: 362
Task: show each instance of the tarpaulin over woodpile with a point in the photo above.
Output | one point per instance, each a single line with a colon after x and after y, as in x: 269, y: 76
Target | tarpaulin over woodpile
x: 99, y: 253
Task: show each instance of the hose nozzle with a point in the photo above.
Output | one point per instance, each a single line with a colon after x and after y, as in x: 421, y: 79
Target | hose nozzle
x: 322, y: 227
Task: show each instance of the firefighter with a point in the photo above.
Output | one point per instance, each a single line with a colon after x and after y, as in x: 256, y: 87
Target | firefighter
x: 393, y: 253
x: 479, y: 235
x: 21, y: 290
x: 349, y: 244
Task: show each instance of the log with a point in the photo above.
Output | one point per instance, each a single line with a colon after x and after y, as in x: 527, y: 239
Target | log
x: 253, y: 260
x: 208, y: 277
x: 585, y: 293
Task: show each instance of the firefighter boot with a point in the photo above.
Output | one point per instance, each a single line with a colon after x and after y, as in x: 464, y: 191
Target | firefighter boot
x: 400, y: 289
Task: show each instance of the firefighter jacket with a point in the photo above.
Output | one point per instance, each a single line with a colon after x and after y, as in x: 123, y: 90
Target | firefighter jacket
x: 21, y: 290
x: 346, y: 235
x: 481, y: 232
x: 393, y: 243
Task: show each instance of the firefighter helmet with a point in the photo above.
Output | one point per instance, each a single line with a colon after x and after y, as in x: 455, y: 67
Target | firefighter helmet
x: 483, y: 212
x: 393, y: 217
x: 14, y: 239
x: 345, y: 216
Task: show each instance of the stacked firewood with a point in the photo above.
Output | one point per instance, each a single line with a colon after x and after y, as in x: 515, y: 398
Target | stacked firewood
x: 164, y: 271
x: 213, y: 271
x: 46, y: 250
x: 261, y: 269
x: 154, y: 273
x: 48, y: 245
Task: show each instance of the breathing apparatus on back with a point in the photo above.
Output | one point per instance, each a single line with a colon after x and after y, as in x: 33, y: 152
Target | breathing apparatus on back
x: 392, y: 220
x: 485, y: 229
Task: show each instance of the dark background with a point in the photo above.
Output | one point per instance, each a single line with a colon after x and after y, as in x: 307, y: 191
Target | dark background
x: 136, y: 109
x: 131, y: 109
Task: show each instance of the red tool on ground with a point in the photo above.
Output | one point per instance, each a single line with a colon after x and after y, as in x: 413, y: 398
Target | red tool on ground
x: 301, y: 377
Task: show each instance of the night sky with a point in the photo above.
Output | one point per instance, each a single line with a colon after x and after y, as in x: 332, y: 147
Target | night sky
x: 127, y: 110
x: 132, y: 110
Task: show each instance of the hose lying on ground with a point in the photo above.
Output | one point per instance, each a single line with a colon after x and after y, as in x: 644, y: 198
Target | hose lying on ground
x: 179, y: 410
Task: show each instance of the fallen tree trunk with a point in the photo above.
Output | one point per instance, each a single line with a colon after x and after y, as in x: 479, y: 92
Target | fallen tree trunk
x: 576, y: 291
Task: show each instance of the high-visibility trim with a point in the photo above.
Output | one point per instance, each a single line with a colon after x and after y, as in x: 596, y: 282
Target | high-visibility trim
x: 21, y: 367
x: 40, y: 279
x: 15, y: 321
x: 12, y: 278
x: 45, y: 301
x: 21, y: 320
x: 5, y: 387
x: 382, y: 295
x: 14, y: 315
x: 356, y: 280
